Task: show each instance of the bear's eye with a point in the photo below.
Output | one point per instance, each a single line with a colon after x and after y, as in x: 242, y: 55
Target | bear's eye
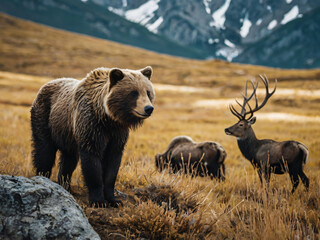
x: 149, y: 95
x: 134, y: 93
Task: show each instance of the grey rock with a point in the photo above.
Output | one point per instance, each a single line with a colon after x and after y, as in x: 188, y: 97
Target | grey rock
x: 38, y: 208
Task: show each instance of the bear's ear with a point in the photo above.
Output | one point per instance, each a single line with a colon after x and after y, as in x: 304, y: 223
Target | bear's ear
x: 115, y: 76
x: 147, y: 71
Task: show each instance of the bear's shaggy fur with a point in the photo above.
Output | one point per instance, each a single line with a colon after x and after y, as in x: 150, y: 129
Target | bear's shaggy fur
x: 89, y: 119
x: 197, y: 159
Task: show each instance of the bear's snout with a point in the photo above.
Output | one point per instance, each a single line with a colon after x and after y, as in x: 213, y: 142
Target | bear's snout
x: 148, y: 109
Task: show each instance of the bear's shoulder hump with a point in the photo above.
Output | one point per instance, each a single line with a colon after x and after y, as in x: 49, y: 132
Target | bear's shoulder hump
x: 98, y: 73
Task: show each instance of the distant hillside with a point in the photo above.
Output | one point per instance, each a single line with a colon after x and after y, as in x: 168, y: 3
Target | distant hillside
x: 229, y: 30
x: 27, y: 47
x: 92, y: 19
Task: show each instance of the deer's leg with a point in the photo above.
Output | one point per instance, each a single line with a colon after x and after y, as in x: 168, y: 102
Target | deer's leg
x: 260, y: 175
x: 264, y: 173
x: 304, y: 179
x: 267, y: 174
x: 295, y: 180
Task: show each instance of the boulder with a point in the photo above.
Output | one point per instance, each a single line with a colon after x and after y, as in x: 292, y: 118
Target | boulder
x: 38, y: 208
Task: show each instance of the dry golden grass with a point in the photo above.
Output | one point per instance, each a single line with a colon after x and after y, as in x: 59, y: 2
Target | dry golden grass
x: 34, y: 49
x: 160, y: 205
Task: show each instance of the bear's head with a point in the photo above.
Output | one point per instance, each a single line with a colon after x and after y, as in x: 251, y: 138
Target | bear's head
x: 130, y: 95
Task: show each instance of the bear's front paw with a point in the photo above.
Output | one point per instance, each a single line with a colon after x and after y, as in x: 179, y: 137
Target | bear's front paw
x: 98, y: 204
x: 111, y: 203
x: 114, y: 203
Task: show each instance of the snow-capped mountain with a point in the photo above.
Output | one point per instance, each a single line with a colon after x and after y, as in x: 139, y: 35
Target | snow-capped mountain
x: 221, y: 28
x: 278, y: 33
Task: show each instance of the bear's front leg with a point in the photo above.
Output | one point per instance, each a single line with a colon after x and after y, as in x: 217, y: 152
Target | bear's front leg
x: 92, y: 172
x: 110, y: 165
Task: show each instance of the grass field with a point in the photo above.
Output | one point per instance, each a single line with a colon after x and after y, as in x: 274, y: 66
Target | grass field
x: 191, y: 99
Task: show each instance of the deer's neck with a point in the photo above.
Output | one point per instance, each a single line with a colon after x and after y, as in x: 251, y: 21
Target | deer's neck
x: 249, y: 145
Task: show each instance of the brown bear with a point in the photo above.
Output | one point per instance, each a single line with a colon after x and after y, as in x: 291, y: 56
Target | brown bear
x: 90, y: 119
x: 198, y: 159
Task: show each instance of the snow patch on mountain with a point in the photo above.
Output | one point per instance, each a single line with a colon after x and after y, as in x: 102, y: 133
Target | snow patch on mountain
x: 206, y: 4
x: 212, y: 41
x: 119, y: 12
x: 259, y: 22
x: 289, y: 1
x: 154, y: 26
x: 291, y: 15
x: 228, y: 53
x: 143, y: 13
x: 219, y: 16
x: 229, y: 44
x: 244, y: 31
x: 272, y: 24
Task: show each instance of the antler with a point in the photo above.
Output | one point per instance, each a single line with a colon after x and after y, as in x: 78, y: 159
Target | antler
x: 246, y: 99
x: 268, y: 94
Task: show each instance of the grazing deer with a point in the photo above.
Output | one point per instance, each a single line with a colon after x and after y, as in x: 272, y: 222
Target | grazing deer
x: 197, y: 159
x: 267, y: 156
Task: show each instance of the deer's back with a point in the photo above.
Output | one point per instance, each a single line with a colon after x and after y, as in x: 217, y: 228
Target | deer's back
x: 278, y: 152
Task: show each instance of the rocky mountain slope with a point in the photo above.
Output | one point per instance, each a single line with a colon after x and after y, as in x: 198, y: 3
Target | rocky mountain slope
x: 293, y: 45
x: 231, y: 30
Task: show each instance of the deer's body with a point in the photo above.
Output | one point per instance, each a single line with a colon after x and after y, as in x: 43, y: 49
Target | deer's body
x: 269, y: 156
x: 198, y: 159
x: 266, y: 155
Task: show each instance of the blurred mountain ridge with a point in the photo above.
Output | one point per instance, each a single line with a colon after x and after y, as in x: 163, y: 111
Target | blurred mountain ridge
x: 282, y: 34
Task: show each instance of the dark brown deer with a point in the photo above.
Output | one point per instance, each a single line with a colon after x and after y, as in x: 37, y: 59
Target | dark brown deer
x: 198, y: 159
x: 267, y: 156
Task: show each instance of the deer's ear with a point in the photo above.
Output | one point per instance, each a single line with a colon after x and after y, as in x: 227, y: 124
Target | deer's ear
x: 252, y: 121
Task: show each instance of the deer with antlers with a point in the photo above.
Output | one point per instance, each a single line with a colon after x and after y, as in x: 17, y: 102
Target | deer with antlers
x: 267, y: 156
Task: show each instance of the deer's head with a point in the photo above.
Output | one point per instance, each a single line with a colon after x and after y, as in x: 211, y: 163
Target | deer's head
x: 243, y: 127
